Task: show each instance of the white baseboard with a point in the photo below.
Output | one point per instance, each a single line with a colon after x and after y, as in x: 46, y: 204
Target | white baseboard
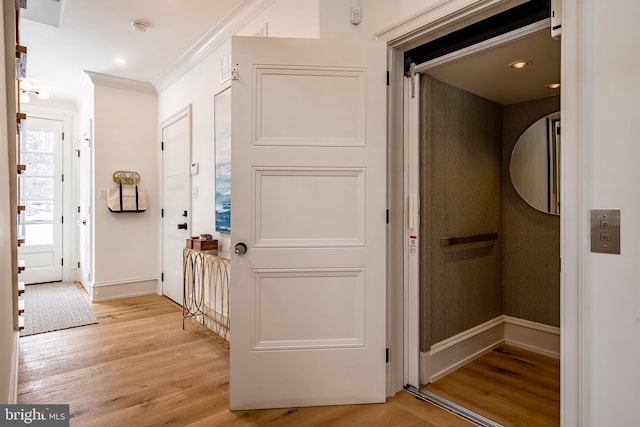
x: 15, y: 363
x: 532, y: 336
x: 107, y: 291
x: 455, y: 352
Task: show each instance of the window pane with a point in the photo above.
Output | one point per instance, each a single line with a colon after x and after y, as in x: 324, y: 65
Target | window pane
x: 38, y: 164
x: 36, y: 188
x: 38, y: 234
x: 39, y: 211
x: 38, y: 140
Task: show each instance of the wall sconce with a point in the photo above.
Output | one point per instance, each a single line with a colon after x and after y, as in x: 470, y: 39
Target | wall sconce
x: 27, y: 89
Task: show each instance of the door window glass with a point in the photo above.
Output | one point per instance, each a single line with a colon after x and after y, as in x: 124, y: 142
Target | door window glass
x: 37, y: 187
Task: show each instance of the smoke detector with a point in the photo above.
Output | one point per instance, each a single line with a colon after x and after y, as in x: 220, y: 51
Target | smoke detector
x: 140, y: 26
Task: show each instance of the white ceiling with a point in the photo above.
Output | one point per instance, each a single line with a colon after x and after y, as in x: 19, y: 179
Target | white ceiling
x: 91, y: 34
x: 487, y: 73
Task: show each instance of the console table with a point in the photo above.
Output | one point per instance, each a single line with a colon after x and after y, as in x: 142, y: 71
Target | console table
x: 206, y: 292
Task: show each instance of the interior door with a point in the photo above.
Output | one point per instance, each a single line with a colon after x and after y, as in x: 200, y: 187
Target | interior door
x: 85, y: 198
x: 308, y: 203
x: 41, y: 194
x: 176, y: 207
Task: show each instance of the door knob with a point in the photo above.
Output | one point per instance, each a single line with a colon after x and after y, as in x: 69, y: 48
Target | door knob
x: 240, y: 249
x: 182, y: 226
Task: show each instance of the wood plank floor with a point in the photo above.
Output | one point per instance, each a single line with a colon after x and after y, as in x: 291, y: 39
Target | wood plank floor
x: 509, y: 385
x: 138, y: 367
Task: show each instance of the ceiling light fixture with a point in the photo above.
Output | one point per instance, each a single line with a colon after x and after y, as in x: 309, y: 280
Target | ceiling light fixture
x: 25, y: 98
x: 27, y: 88
x: 553, y: 85
x: 140, y: 26
x: 121, y: 61
x: 518, y: 65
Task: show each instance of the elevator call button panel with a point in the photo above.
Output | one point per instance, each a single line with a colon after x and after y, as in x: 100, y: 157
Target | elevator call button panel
x: 605, y: 231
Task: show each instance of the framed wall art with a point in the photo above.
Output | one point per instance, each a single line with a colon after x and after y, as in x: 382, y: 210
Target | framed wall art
x: 222, y: 140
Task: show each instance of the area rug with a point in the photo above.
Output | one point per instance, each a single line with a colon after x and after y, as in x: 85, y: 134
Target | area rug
x: 54, y: 306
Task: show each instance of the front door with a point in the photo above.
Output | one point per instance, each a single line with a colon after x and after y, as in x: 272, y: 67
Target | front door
x: 308, y: 190
x: 41, y: 195
x: 176, y: 158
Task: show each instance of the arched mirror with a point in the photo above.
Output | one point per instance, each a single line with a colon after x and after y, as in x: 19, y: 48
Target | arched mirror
x: 535, y: 165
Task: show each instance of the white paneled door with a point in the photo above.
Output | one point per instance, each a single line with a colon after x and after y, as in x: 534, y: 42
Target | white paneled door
x: 176, y: 197
x: 308, y: 202
x: 41, y: 195
x: 85, y: 198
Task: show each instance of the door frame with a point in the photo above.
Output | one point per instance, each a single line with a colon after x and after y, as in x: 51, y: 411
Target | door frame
x: 69, y: 196
x: 184, y: 112
x: 430, y: 24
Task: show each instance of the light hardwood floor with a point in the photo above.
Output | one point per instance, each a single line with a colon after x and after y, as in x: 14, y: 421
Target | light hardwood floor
x: 138, y: 367
x: 509, y: 385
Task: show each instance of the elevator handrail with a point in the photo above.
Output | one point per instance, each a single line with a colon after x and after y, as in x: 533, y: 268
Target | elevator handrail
x: 451, y: 241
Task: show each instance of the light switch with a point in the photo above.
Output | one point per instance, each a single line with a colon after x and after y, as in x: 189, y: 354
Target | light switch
x: 605, y: 231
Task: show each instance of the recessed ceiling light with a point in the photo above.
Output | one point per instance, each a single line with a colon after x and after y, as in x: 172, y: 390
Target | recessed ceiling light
x: 517, y: 65
x: 121, y: 61
x: 553, y: 85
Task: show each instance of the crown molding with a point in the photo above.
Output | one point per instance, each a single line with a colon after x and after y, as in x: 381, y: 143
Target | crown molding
x: 439, y: 19
x: 106, y: 80
x: 222, y: 31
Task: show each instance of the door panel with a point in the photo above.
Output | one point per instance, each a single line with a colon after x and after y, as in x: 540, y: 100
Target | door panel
x: 282, y: 295
x: 285, y: 117
x: 289, y: 214
x: 308, y: 196
x: 176, y: 158
x: 85, y: 215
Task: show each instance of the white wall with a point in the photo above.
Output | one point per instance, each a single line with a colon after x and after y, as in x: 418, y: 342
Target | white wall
x: 286, y: 18
x: 614, y: 280
x: 335, y: 16
x: 125, y: 138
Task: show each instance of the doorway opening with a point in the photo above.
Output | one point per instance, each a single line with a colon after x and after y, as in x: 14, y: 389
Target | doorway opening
x: 41, y: 195
x: 483, y: 260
